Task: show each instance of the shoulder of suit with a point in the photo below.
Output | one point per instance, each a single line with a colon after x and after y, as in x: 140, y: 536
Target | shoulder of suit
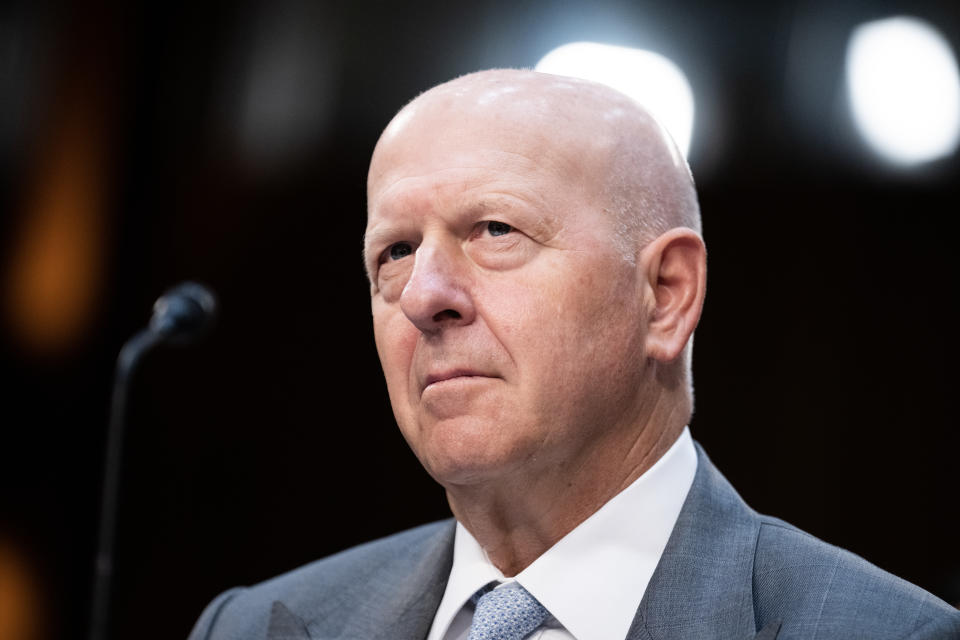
x: 361, y: 562
x: 245, y: 612
x: 819, y: 589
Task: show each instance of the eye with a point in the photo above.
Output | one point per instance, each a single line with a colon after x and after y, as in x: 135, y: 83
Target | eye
x: 498, y: 228
x: 399, y: 250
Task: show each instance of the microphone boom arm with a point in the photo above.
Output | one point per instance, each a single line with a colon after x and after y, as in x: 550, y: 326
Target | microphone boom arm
x: 180, y: 315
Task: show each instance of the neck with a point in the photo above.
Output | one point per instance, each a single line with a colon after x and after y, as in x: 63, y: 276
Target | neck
x: 516, y: 519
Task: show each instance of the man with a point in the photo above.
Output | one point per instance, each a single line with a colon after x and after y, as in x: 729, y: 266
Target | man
x: 536, y: 274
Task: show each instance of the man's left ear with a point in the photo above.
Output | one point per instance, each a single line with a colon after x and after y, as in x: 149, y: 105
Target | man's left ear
x: 675, y: 265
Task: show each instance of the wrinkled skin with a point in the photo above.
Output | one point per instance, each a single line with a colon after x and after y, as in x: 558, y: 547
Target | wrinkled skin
x: 522, y: 349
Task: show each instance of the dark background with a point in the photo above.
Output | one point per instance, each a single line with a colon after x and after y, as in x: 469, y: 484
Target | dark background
x: 228, y: 144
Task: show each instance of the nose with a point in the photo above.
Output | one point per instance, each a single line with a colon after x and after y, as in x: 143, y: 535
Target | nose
x: 437, y: 295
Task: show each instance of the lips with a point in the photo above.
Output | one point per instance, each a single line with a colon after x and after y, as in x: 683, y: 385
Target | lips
x: 451, y: 374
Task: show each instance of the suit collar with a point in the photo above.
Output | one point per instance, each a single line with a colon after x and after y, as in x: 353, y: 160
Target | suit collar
x: 410, y: 613
x: 703, y: 586
x: 400, y: 605
x: 591, y: 580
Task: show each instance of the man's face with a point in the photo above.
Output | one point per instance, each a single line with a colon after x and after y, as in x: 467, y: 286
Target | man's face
x: 507, y: 322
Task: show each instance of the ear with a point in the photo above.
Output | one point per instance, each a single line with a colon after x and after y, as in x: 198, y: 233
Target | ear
x: 675, y: 266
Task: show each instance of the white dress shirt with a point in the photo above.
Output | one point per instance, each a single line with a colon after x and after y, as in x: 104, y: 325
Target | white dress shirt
x: 592, y: 580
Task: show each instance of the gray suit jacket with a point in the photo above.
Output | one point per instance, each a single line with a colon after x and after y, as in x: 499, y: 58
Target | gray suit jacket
x: 727, y: 573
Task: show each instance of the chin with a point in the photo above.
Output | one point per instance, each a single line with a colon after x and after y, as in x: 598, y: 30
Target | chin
x: 469, y: 454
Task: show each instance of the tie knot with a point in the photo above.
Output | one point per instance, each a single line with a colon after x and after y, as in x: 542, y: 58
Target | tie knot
x: 508, y: 613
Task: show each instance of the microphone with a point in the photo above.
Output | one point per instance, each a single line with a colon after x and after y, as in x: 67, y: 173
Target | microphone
x: 181, y: 315
x: 184, y: 313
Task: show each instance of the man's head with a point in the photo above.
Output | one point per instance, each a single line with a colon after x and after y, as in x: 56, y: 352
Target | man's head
x: 536, y: 273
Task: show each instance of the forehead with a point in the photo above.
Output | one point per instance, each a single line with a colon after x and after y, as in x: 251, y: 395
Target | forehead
x: 428, y: 140
x: 439, y: 170
x: 447, y: 147
x: 462, y: 186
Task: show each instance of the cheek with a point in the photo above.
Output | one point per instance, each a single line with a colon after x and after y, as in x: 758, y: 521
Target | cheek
x: 584, y: 334
x: 395, y: 339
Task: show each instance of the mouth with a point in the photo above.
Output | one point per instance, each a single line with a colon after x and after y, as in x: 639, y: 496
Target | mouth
x: 452, y: 374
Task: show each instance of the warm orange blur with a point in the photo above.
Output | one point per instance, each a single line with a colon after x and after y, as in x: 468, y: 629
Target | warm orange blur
x: 54, y: 269
x: 19, y: 598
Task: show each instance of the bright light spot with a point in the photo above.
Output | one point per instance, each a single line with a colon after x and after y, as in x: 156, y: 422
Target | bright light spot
x: 649, y: 78
x: 904, y: 89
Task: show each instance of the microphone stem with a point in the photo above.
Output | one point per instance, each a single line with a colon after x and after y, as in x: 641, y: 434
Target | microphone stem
x: 127, y: 363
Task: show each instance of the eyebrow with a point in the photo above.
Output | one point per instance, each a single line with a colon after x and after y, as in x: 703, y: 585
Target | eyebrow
x: 368, y: 240
x: 489, y: 202
x: 375, y: 236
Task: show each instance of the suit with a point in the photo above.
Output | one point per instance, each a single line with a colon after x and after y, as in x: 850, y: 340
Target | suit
x: 726, y: 572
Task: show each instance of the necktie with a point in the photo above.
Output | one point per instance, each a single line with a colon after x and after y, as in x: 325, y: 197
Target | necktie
x: 509, y: 613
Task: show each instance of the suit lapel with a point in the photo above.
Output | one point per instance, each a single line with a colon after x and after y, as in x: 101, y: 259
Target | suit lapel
x: 410, y: 613
x: 769, y: 631
x: 284, y: 625
x: 703, y: 585
x: 377, y: 604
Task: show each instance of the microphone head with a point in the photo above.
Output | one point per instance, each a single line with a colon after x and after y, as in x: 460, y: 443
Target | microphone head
x: 184, y: 313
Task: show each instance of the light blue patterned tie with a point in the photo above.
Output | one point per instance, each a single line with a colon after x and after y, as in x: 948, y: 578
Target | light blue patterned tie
x: 510, y: 613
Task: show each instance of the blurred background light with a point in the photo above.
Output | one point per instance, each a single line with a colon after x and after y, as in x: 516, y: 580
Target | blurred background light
x: 56, y: 266
x: 290, y: 82
x: 904, y: 89
x: 649, y: 78
x: 20, y: 602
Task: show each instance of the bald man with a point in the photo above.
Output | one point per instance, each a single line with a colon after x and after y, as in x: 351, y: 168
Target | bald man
x: 536, y: 274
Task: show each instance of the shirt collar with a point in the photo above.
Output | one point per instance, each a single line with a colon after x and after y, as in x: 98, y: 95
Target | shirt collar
x: 592, y: 579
